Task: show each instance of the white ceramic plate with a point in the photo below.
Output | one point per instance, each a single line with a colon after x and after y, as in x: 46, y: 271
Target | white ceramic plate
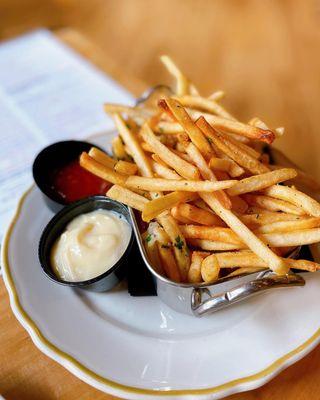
x: 138, y: 348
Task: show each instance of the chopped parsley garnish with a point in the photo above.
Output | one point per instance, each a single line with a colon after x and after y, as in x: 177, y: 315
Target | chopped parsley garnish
x: 148, y: 238
x: 179, y: 243
x: 209, y: 139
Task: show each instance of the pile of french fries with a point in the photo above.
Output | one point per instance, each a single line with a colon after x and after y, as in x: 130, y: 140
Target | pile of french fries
x: 205, y: 185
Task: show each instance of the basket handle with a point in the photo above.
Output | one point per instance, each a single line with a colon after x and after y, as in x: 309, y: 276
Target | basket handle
x: 240, y: 292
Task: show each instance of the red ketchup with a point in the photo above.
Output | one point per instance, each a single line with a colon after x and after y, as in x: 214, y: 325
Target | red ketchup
x: 72, y: 182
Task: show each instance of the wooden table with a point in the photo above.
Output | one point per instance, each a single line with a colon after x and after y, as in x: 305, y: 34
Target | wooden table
x: 278, y: 80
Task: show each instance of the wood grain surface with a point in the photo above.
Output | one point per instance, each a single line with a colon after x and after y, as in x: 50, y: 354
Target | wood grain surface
x: 265, y: 54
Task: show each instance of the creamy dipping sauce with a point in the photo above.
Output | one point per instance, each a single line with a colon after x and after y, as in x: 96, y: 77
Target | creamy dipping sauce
x: 90, y: 245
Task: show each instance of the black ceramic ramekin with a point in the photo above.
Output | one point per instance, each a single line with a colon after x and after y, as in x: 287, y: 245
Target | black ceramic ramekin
x: 57, y: 225
x: 51, y: 158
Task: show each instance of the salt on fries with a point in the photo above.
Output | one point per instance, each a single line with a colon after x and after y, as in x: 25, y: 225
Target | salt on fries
x: 210, y: 195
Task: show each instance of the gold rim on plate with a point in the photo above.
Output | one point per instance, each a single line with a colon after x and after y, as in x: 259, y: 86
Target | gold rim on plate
x: 36, y: 332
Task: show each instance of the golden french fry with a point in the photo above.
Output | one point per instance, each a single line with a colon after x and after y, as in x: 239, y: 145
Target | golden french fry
x: 268, y: 217
x: 195, y: 134
x: 151, y: 247
x: 204, y: 104
x: 193, y: 214
x: 293, y: 196
x: 127, y: 197
x: 101, y: 170
x: 262, y: 181
x: 273, y: 204
x: 158, y: 205
x: 182, y: 81
x: 180, y: 247
x: 293, y: 238
x: 164, y: 172
x: 168, y: 261
x: 135, y: 149
x: 146, y: 147
x: 247, y: 259
x: 206, y: 172
x: 210, y: 245
x: 211, y: 269
x: 118, y: 149
x: 154, y: 184
x: 183, y: 168
x: 238, y: 205
x: 102, y: 157
x: 175, y: 212
x: 194, y: 274
x: 126, y: 168
x: 239, y: 156
x: 217, y: 95
x: 229, y: 166
x: 239, y: 128
x: 111, y: 108
x: 251, y: 240
x: 288, y: 226
x: 215, y: 234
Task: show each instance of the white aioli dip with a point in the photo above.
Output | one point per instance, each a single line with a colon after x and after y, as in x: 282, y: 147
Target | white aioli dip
x: 90, y: 245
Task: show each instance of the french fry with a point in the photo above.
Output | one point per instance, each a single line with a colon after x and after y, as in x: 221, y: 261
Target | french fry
x: 182, y: 81
x: 180, y: 247
x: 193, y: 214
x: 293, y: 238
x: 164, y: 172
x: 101, y: 170
x: 293, y: 196
x: 211, y: 269
x: 229, y: 166
x: 259, y: 182
x: 268, y: 217
x: 152, y: 251
x: 239, y: 128
x: 209, y: 245
x: 146, y: 147
x: 239, y: 156
x: 238, y: 205
x: 204, y: 104
x: 102, y: 157
x: 217, y: 95
x: 181, y: 166
x: 111, y: 109
x: 126, y: 168
x: 273, y: 204
x: 215, y: 234
x: 158, y: 205
x: 168, y: 261
x: 195, y: 134
x: 254, y: 243
x: 242, y: 146
x: 206, y: 172
x: 135, y: 149
x: 194, y: 274
x: 248, y: 259
x: 288, y: 226
x: 155, y: 184
x: 118, y: 149
x: 127, y: 197
x: 175, y: 212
